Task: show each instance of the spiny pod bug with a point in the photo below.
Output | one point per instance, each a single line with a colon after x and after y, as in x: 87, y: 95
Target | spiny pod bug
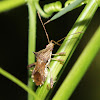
x: 43, y: 58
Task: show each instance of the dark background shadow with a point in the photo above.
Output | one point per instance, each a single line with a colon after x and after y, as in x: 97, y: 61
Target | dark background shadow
x: 13, y: 51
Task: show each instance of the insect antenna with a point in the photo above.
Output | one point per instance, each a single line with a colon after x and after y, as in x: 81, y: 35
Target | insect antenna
x: 57, y: 42
x: 43, y: 27
x: 67, y: 36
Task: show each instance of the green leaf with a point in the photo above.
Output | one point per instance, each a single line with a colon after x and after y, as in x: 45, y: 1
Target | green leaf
x: 66, y: 9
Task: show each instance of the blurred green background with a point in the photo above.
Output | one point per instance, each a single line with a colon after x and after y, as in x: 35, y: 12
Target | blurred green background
x: 14, y: 45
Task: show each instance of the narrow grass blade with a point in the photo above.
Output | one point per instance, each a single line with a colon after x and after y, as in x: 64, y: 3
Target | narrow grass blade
x: 79, y: 69
x: 66, y: 9
x: 18, y: 82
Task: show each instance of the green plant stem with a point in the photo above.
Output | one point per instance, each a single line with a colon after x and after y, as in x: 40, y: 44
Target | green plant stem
x: 31, y: 42
x: 98, y: 1
x: 10, y: 4
x: 18, y: 82
x: 42, y: 13
x: 79, y: 69
x: 69, y: 45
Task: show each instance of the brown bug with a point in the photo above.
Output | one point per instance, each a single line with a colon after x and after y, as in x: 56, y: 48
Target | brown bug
x: 43, y: 58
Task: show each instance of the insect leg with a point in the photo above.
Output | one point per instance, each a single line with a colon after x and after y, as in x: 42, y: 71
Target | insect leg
x: 59, y: 54
x: 51, y: 82
x: 60, y: 60
x: 31, y: 65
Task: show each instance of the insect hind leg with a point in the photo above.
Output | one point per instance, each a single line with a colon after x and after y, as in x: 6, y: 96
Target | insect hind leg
x: 31, y: 65
x: 59, y: 54
x: 60, y: 60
